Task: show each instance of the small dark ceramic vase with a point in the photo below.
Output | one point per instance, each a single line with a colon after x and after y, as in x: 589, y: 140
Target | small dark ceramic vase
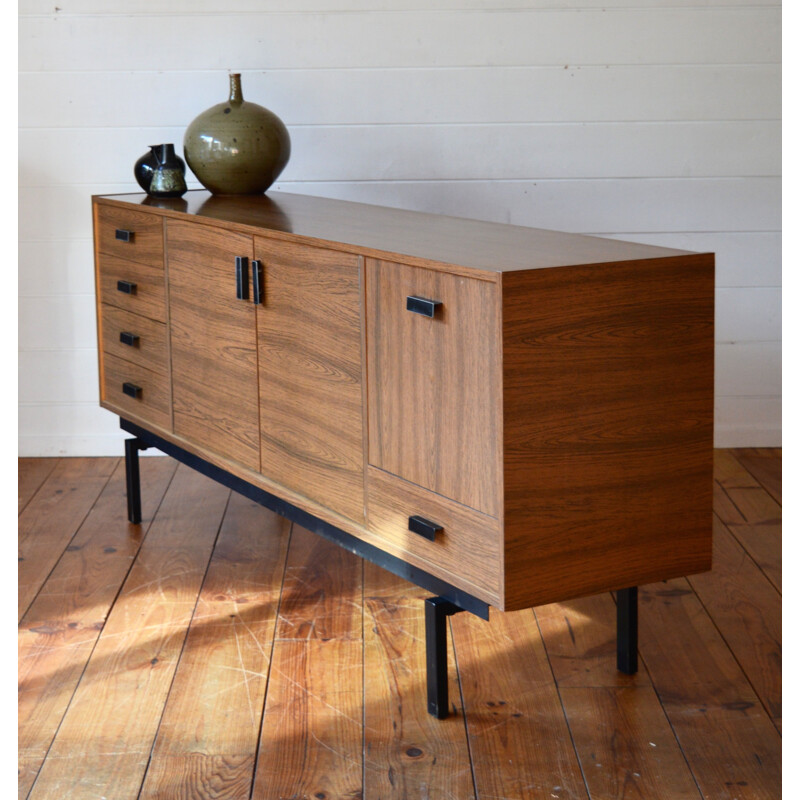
x: 167, y: 180
x: 237, y: 147
x: 144, y: 168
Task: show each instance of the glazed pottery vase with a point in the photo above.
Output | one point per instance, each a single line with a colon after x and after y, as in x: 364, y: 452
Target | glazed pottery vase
x: 145, y: 166
x: 237, y: 147
x: 167, y: 180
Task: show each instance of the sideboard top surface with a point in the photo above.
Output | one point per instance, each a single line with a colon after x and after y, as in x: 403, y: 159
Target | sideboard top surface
x: 380, y: 231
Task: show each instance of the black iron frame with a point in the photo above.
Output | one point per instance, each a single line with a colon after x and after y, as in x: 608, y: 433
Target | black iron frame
x: 449, y: 599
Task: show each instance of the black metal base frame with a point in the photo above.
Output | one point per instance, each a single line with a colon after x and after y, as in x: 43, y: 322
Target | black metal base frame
x: 449, y: 600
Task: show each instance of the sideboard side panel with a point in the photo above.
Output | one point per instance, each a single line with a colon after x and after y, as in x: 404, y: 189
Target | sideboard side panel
x: 608, y: 426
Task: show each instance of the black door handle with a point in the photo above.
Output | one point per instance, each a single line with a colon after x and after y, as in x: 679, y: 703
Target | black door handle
x: 130, y: 339
x: 132, y: 390
x: 126, y: 287
x: 424, y: 527
x: 123, y: 235
x: 241, y: 278
x: 257, y: 275
x: 421, y: 305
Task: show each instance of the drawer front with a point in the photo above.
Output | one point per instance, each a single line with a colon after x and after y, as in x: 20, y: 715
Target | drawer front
x: 134, y: 287
x: 131, y: 234
x: 433, y: 373
x: 467, y: 547
x: 137, y: 391
x: 134, y: 338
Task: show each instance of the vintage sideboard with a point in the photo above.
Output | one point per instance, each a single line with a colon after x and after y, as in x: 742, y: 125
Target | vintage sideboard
x: 507, y: 416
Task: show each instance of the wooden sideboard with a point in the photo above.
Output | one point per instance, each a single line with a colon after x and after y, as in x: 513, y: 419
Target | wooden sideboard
x: 522, y: 415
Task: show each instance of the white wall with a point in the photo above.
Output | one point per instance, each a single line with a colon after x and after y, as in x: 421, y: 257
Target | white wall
x: 652, y: 121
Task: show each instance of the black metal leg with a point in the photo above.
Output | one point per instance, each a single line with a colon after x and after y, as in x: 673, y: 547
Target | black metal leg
x: 134, y: 489
x: 628, y: 630
x: 437, y: 610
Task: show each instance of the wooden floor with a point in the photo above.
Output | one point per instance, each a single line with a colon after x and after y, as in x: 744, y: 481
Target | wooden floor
x: 217, y: 652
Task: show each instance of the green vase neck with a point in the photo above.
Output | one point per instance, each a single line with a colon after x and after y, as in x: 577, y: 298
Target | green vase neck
x: 236, y: 98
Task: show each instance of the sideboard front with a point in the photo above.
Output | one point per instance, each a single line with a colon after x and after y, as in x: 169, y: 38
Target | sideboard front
x: 525, y: 432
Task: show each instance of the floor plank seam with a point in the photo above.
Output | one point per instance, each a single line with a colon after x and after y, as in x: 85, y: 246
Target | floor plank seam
x: 269, y: 663
x: 563, y: 706
x: 464, y: 712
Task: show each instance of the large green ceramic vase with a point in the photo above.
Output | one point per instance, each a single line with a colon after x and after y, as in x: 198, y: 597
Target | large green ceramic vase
x: 237, y: 147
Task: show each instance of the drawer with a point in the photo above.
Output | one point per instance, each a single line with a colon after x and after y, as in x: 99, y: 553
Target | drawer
x: 468, y: 547
x: 151, y: 403
x: 134, y: 287
x: 134, y: 338
x: 131, y: 234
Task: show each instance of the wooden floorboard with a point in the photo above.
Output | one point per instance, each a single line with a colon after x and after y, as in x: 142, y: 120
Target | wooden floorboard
x: 215, y: 651
x: 31, y: 474
x: 209, y: 730
x: 59, y: 630
x: 103, y: 744
x: 53, y: 516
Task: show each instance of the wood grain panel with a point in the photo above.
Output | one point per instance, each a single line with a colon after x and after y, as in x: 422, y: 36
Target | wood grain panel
x: 149, y: 351
x: 470, y: 247
x: 309, y: 361
x: 208, y: 734
x: 147, y: 242
x: 118, y: 704
x: 59, y: 630
x: 213, y: 342
x: 518, y: 735
x: 469, y: 548
x: 152, y: 405
x: 149, y: 297
x: 433, y: 383
x: 608, y: 410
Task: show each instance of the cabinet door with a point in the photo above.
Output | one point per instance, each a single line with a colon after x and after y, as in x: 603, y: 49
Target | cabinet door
x: 433, y: 381
x: 213, y: 339
x: 309, y: 354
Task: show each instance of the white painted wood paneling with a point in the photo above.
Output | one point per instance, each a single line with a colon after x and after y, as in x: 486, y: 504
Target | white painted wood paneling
x: 499, y: 95
x: 640, y: 206
x: 158, y: 7
x: 525, y: 37
x: 654, y: 120
x: 448, y: 152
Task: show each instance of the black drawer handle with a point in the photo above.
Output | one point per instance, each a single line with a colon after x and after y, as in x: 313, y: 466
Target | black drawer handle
x: 130, y: 339
x: 421, y: 305
x: 123, y: 235
x: 126, y: 287
x: 257, y: 275
x: 424, y: 527
x: 132, y: 390
x: 241, y: 278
